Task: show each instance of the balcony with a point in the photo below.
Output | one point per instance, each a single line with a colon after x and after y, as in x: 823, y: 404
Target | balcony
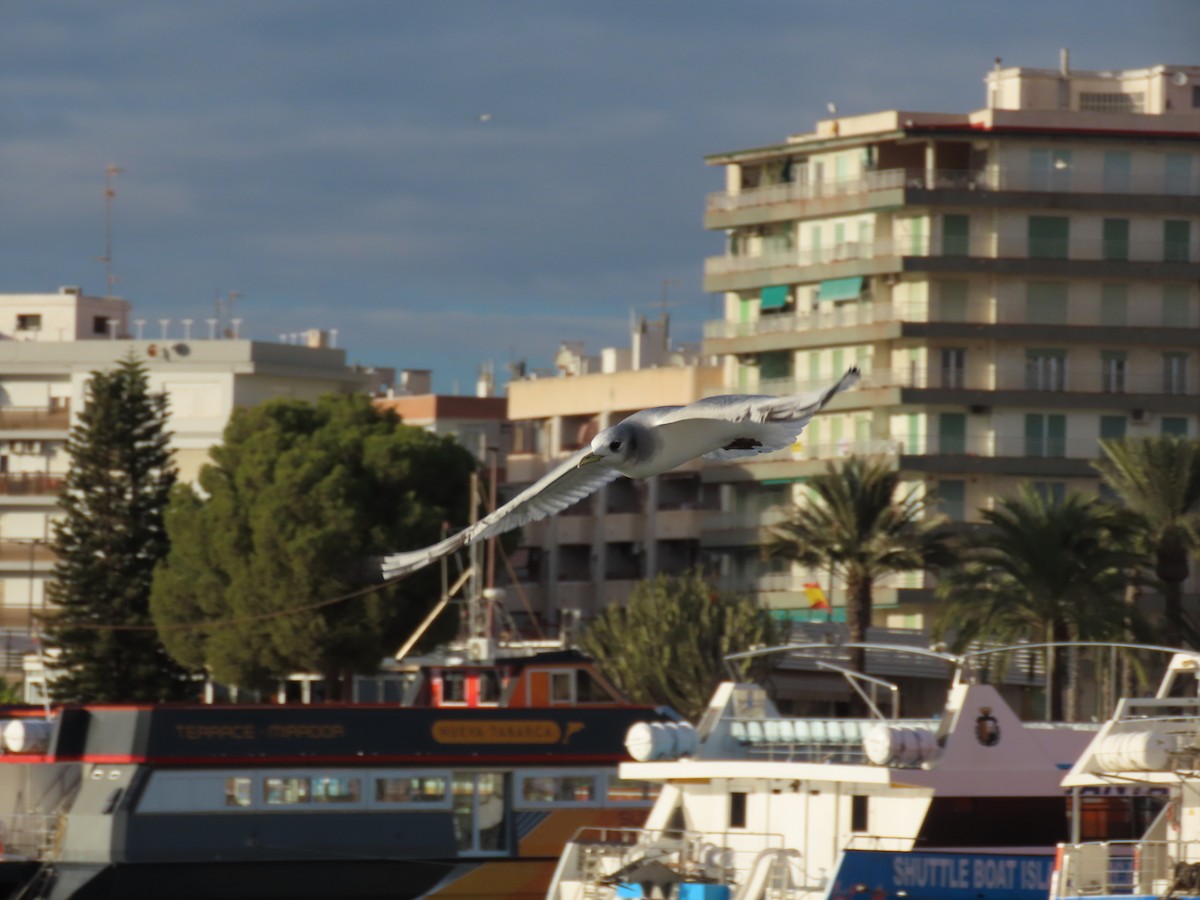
x: 30, y: 485
x: 1118, y: 391
x: 1009, y: 254
x: 768, y: 329
x: 34, y: 418
x: 992, y: 179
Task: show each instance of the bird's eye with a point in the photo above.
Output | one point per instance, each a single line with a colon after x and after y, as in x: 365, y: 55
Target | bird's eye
x: 614, y: 446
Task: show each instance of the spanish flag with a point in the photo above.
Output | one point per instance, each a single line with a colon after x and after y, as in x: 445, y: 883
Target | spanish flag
x: 816, y: 596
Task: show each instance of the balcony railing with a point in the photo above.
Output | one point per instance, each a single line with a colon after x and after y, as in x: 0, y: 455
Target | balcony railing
x: 22, y: 485
x: 977, y: 246
x: 1073, y: 379
x: 34, y: 417
x: 1077, y: 181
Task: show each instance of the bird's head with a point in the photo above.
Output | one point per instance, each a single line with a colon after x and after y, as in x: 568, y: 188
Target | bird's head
x: 614, y: 446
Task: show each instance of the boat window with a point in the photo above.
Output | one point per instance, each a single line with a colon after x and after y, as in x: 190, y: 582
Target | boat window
x: 859, y: 813
x: 336, y: 790
x: 285, y: 791
x: 411, y: 789
x: 640, y: 792
x: 558, y: 789
x: 737, y: 809
x: 237, y: 791
x: 560, y: 687
x: 489, y: 686
x: 454, y: 687
x: 589, y: 690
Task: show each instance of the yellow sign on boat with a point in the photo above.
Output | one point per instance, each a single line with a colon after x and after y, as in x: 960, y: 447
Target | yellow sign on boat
x: 517, y: 731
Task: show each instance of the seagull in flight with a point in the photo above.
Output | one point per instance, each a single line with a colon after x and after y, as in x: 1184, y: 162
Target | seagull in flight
x: 646, y: 443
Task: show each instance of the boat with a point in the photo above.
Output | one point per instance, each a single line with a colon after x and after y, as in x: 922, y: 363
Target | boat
x: 1150, y: 744
x: 457, y: 775
x: 466, y: 784
x: 753, y: 804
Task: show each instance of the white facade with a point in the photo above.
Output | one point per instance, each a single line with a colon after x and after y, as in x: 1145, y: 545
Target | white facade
x: 50, y: 344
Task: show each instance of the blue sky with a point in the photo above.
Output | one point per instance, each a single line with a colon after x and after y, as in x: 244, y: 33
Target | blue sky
x: 328, y: 161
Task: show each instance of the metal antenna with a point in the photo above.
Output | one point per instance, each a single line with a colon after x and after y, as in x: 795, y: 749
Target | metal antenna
x: 110, y: 191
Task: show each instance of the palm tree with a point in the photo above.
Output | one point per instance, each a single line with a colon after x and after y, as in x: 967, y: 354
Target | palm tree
x: 1158, y: 478
x: 1042, y: 571
x: 855, y: 525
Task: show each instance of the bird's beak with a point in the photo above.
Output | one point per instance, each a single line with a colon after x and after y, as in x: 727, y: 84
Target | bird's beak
x: 590, y: 458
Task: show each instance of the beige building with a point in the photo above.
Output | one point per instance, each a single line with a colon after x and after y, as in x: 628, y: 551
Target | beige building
x: 592, y: 554
x: 1015, y: 282
x: 49, y: 346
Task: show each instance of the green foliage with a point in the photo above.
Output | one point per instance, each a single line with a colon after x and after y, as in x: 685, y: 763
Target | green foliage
x: 856, y: 523
x: 667, y: 645
x: 1043, y: 571
x: 108, y: 542
x: 1158, y: 479
x: 297, y: 497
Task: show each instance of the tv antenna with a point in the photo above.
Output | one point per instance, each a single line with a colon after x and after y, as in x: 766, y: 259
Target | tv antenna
x: 110, y: 192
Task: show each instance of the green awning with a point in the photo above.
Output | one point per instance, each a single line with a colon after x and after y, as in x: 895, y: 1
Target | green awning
x: 840, y: 289
x: 774, y: 297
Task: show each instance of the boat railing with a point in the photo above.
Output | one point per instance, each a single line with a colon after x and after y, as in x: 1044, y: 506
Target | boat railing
x: 601, y: 854
x: 813, y: 740
x: 862, y: 841
x: 28, y: 836
x: 1108, y: 868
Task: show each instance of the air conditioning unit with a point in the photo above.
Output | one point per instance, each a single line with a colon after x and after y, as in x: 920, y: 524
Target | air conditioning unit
x: 479, y: 649
x: 1140, y: 417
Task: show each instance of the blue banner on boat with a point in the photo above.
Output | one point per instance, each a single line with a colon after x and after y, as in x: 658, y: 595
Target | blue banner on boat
x: 917, y: 875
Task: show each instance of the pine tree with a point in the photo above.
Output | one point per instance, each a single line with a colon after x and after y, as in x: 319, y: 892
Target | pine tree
x: 108, y: 542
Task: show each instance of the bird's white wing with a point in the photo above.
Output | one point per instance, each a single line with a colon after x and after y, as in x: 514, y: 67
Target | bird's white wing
x: 757, y: 423
x: 563, y: 486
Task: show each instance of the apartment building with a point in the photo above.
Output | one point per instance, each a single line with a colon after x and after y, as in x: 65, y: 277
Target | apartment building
x: 1015, y: 282
x: 49, y: 346
x: 593, y: 553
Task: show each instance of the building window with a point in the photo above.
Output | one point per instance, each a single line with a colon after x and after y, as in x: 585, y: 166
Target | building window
x: 1045, y: 370
x: 1112, y: 427
x: 1177, y: 174
x: 956, y: 235
x: 1045, y: 435
x: 29, y: 322
x: 1048, y: 237
x: 1176, y: 425
x: 1177, y: 238
x: 1046, y: 303
x: 952, y: 499
x: 737, y: 809
x: 1118, y: 167
x: 1112, y: 371
x: 1051, y: 492
x: 1175, y: 373
x: 1175, y: 303
x: 100, y: 324
x: 775, y: 365
x: 952, y: 300
x: 1116, y: 240
x: 952, y: 433
x: 1114, y: 304
x: 954, y: 366
x: 1050, y: 170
